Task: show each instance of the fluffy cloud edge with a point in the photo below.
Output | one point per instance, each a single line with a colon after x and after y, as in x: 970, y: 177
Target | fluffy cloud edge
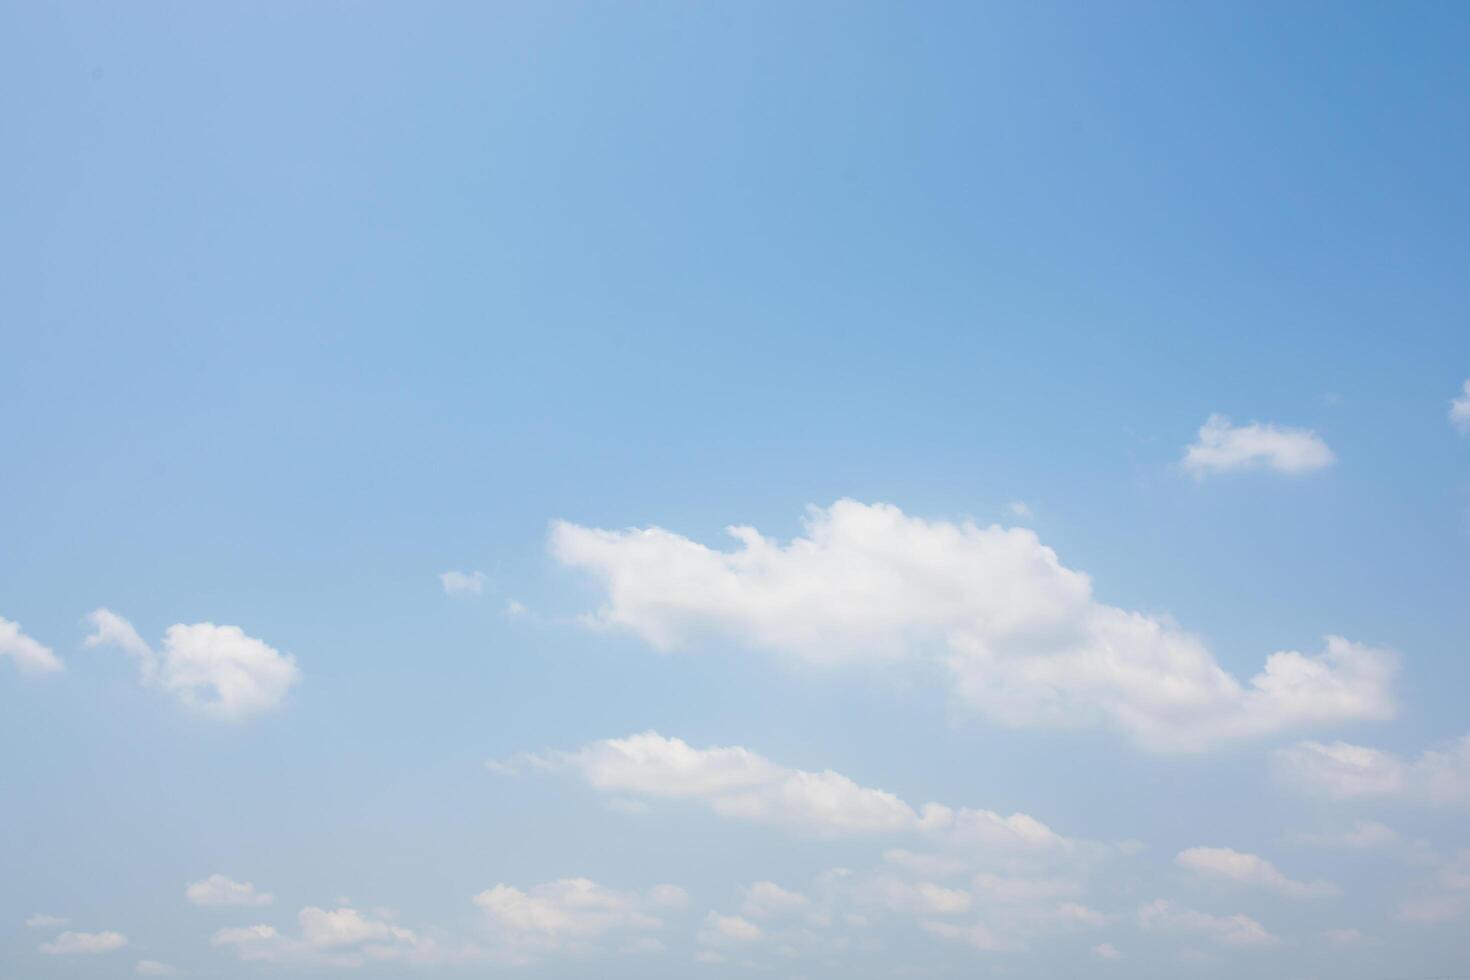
x: 738, y: 783
x: 29, y: 655
x: 221, y: 891
x: 1237, y: 930
x: 1239, y: 867
x: 1222, y: 447
x: 1342, y: 770
x: 463, y: 583
x: 1460, y: 410
x: 1024, y: 640
x: 84, y: 943
x: 219, y: 672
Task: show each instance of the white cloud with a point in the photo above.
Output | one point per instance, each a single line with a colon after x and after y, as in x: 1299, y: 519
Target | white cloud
x: 728, y: 930
x: 846, y: 912
x: 1348, y: 937
x: 218, y: 890
x: 1106, y: 951
x: 739, y: 783
x: 924, y: 898
x: 515, y: 609
x: 977, y: 936
x: 1342, y: 770
x: 736, y: 782
x: 1227, y: 930
x: 75, y: 943
x: 667, y: 897
x: 766, y: 899
x: 342, y: 937
x: 259, y: 942
x: 328, y: 929
x: 1346, y: 771
x: 41, y: 921
x: 110, y: 629
x: 1079, y: 913
x: 1022, y: 636
x: 216, y: 670
x: 153, y: 968
x: 996, y: 913
x: 1223, y: 448
x: 1460, y: 410
x: 1021, y: 509
x: 1363, y: 834
x: 1248, y: 869
x: 28, y: 655
x: 463, y: 583
x: 568, y: 915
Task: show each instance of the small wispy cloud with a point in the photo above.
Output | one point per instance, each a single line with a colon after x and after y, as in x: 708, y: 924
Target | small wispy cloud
x: 463, y: 583
x: 153, y: 968
x: 222, y: 891
x: 1460, y: 410
x: 1225, y: 864
x: 84, y: 943
x: 1439, y: 775
x: 40, y: 921
x: 29, y: 656
x: 1223, y: 448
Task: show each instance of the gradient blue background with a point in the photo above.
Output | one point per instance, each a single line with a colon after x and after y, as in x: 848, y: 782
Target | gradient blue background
x: 303, y: 304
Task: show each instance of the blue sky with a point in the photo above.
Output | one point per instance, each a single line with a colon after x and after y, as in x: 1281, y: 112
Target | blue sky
x: 1084, y: 374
